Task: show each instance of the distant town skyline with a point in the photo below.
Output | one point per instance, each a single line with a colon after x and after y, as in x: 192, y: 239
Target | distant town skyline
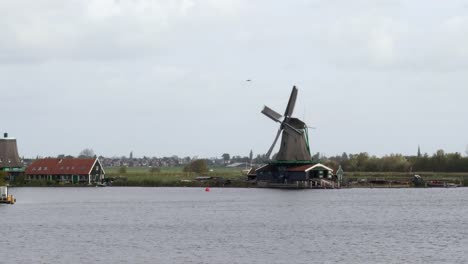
x: 189, y: 78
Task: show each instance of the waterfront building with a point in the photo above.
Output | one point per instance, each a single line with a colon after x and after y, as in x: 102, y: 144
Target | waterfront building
x: 293, y: 173
x: 67, y: 170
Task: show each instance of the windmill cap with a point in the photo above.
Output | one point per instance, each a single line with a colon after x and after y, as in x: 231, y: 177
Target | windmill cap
x: 5, y: 136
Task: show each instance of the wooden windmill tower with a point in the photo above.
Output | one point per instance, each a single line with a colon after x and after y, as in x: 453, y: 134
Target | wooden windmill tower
x: 9, y: 158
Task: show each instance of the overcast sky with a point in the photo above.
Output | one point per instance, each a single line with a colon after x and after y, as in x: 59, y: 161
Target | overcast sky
x: 168, y: 77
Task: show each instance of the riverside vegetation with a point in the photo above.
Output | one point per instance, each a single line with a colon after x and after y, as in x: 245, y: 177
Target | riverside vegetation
x: 359, y: 168
x: 233, y: 177
x: 176, y: 176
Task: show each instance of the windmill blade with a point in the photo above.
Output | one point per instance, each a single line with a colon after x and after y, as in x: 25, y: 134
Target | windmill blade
x: 291, y: 103
x: 272, y: 114
x: 291, y: 128
x: 274, y: 143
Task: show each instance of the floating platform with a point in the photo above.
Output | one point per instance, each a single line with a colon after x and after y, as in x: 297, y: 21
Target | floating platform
x: 310, y: 184
x: 6, y: 198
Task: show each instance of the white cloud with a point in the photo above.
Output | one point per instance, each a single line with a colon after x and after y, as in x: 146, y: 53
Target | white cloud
x: 382, y: 47
x: 97, y: 29
x: 186, y: 6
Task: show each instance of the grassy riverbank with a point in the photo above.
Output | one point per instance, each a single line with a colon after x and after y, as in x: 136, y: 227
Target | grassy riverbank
x: 233, y: 177
x: 398, y: 179
x: 175, y: 176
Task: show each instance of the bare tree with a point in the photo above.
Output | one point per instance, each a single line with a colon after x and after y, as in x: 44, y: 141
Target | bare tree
x: 466, y: 150
x: 87, y: 153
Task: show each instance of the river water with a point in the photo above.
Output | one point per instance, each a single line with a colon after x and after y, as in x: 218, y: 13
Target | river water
x: 189, y: 225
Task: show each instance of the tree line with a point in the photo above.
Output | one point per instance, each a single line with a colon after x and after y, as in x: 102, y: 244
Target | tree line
x: 363, y: 162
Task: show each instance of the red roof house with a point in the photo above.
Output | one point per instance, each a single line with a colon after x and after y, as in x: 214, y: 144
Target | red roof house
x: 79, y: 170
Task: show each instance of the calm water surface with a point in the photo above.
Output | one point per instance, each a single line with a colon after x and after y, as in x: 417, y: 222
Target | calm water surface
x: 188, y: 225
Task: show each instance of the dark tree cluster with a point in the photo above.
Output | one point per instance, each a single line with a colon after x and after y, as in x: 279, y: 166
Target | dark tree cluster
x: 440, y: 162
x: 363, y: 162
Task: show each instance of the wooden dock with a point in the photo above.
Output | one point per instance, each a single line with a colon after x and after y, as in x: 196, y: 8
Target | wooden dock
x: 310, y: 184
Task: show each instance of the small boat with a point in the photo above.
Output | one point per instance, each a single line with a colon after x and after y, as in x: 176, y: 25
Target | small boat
x: 101, y: 185
x: 5, y: 197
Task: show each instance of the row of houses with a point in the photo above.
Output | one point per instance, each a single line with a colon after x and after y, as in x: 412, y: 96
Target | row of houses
x: 172, y: 161
x: 144, y: 162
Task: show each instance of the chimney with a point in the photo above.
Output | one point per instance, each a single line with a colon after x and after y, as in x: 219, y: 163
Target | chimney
x: 5, y: 135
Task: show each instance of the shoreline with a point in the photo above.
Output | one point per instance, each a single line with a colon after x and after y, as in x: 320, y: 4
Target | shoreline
x: 246, y: 186
x: 233, y: 178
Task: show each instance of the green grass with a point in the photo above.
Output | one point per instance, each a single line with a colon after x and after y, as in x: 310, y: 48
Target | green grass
x: 172, y: 176
x: 175, y: 176
x: 453, y: 177
x: 402, y: 175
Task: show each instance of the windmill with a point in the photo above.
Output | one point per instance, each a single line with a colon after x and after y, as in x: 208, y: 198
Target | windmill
x: 293, y: 166
x: 9, y: 158
x: 294, y: 142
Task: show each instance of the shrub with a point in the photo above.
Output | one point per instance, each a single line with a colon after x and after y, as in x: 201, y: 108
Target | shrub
x: 197, y: 166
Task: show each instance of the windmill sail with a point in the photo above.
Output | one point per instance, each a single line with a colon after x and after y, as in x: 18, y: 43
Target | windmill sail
x: 271, y: 114
x: 291, y: 102
x: 274, y: 143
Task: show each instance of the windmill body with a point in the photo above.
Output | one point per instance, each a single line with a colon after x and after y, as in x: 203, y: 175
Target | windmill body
x: 293, y: 164
x: 294, y: 146
x: 10, y: 161
x: 9, y: 157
